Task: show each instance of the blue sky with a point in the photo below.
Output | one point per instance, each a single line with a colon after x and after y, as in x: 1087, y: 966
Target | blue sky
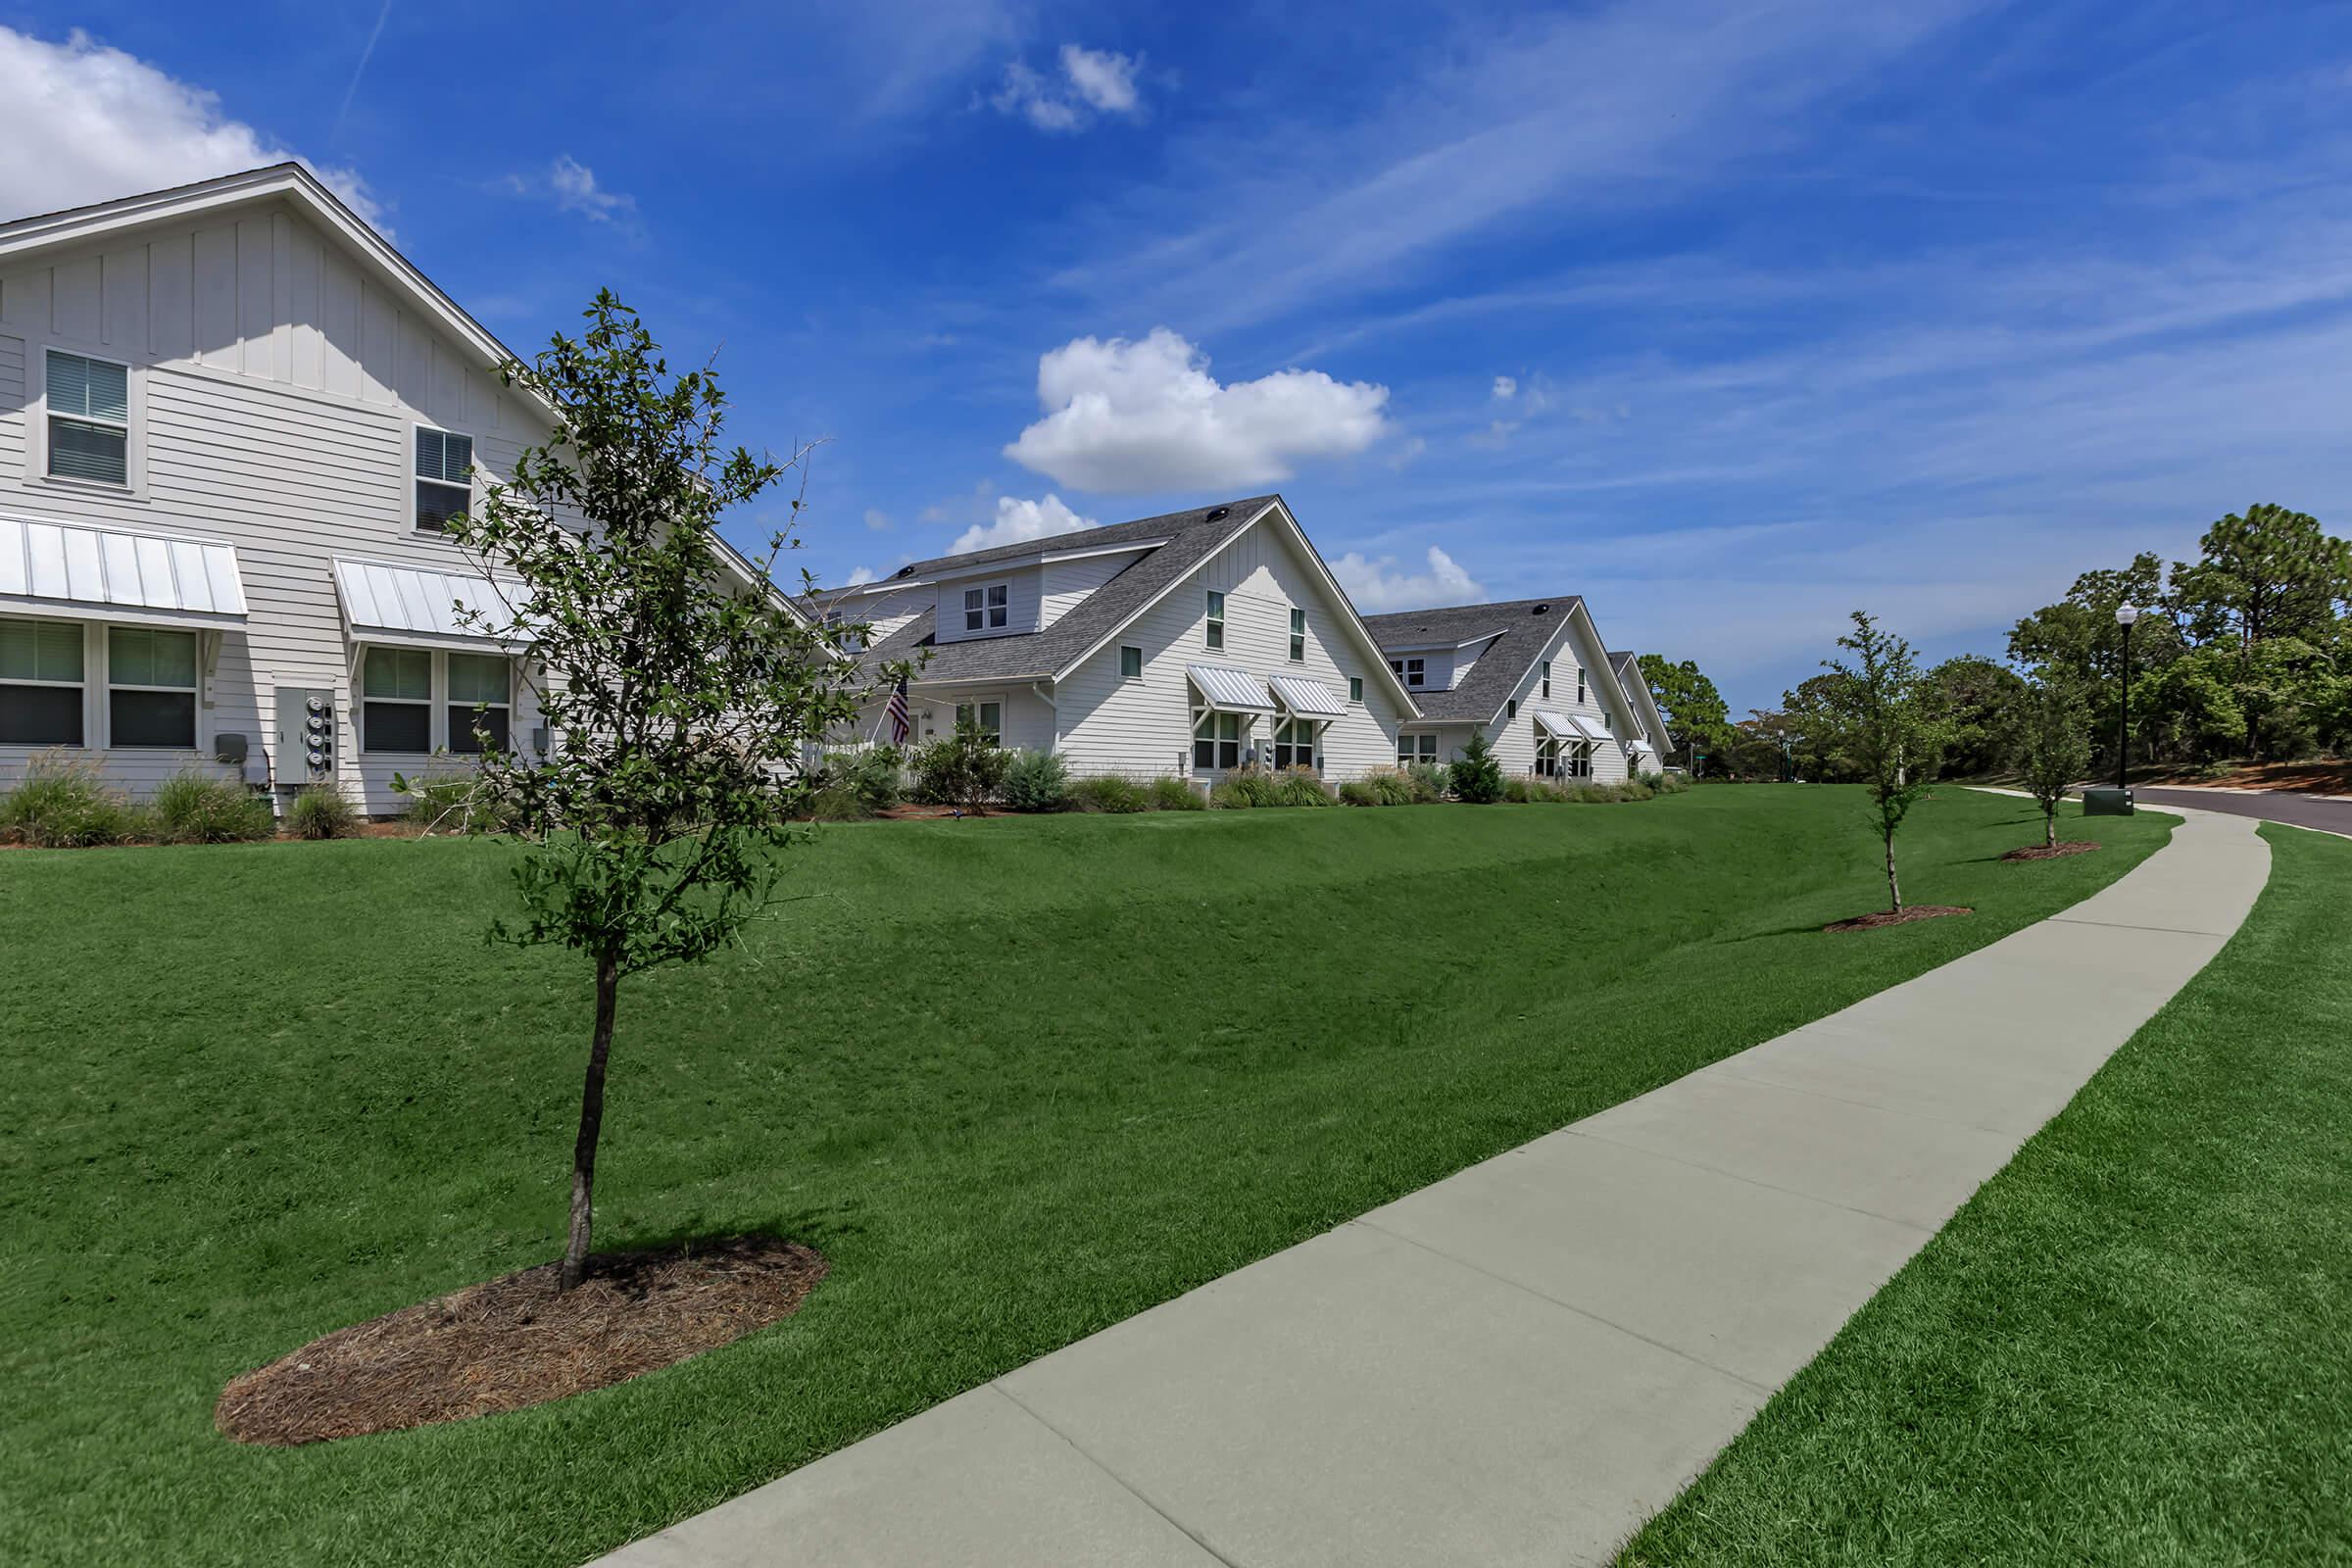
x: 1729, y: 316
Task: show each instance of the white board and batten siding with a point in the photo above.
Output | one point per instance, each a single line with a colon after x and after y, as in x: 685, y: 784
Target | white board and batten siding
x: 1142, y: 726
x: 276, y: 385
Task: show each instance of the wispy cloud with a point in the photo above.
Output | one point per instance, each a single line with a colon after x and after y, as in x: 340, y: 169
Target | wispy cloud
x: 1090, y: 83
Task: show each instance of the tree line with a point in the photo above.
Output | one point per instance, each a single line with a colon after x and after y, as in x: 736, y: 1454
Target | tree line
x: 2243, y: 652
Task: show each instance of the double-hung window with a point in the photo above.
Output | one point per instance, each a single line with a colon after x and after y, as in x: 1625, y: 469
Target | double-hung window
x: 1131, y: 663
x: 1217, y: 741
x: 987, y: 609
x: 480, y: 697
x: 1412, y: 749
x: 1295, y: 744
x: 444, y: 478
x: 1579, y: 686
x: 1297, y: 636
x: 1546, y: 669
x: 396, y: 700
x: 1511, y: 708
x: 89, y: 418
x: 987, y: 718
x: 1409, y: 670
x: 1216, y: 620
x: 40, y: 683
x: 151, y: 687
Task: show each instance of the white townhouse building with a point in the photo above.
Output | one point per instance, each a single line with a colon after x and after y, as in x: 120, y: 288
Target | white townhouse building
x: 232, y: 419
x: 1534, y: 677
x: 1185, y: 643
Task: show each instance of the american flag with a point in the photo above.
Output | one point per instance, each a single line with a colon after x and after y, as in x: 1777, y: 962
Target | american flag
x: 897, y: 713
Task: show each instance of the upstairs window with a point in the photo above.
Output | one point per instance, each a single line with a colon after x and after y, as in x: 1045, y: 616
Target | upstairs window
x: 1579, y: 686
x: 987, y: 609
x: 1297, y: 636
x: 40, y: 683
x: 1131, y: 663
x: 89, y: 418
x: 987, y: 718
x: 444, y: 478
x: 1216, y: 620
x: 1546, y: 669
x: 1217, y: 741
x: 396, y: 700
x: 1409, y: 670
x: 1355, y: 688
x: 480, y: 697
x: 1511, y: 708
x: 151, y: 688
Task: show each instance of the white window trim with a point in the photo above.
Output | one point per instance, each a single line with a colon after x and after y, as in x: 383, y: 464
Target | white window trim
x: 1356, y: 691
x: 1212, y: 625
x: 1313, y: 744
x: 1297, y: 635
x: 1411, y: 672
x: 1124, y: 650
x: 92, y: 708
x: 1545, y: 667
x: 109, y: 686
x: 408, y: 491
x: 1417, y: 752
x: 1244, y: 726
x: 449, y: 701
x: 976, y: 703
x: 37, y: 424
x: 437, y: 703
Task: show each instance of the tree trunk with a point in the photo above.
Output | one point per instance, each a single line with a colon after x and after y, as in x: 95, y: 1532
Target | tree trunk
x: 2049, y: 825
x: 1894, y: 889
x: 592, y: 1121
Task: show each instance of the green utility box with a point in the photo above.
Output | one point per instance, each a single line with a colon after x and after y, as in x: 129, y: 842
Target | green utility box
x: 2109, y: 802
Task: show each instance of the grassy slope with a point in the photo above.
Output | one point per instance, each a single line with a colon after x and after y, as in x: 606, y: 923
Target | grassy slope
x: 2135, y: 1345
x: 1018, y: 1078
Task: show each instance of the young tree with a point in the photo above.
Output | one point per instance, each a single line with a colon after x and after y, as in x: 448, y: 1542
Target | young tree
x: 1873, y: 715
x: 682, y: 692
x: 2053, y: 747
x: 1475, y: 776
x: 1694, y: 710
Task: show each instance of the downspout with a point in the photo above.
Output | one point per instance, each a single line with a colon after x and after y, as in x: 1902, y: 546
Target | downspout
x: 1040, y: 690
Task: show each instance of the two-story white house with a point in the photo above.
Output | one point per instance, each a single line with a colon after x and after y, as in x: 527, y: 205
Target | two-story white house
x: 232, y: 419
x: 1532, y: 674
x: 1187, y: 645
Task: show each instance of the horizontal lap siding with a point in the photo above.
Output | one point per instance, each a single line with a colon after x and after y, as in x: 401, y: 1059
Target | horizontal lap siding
x: 1514, y: 739
x: 1144, y: 728
x: 279, y: 390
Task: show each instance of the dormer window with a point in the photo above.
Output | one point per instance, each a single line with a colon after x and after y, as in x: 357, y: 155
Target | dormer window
x: 987, y: 609
x: 444, y: 478
x: 1409, y: 670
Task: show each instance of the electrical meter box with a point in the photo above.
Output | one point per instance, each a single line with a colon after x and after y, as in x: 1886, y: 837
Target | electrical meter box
x: 305, y: 752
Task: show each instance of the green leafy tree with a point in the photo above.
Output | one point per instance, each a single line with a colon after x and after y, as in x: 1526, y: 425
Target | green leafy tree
x: 1475, y: 776
x: 1874, y: 716
x: 2270, y: 582
x: 683, y: 694
x: 1694, y: 710
x: 1974, y: 699
x: 2053, y: 747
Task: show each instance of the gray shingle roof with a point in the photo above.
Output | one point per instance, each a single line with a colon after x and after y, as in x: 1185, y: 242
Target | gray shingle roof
x: 1191, y: 537
x: 1499, y: 669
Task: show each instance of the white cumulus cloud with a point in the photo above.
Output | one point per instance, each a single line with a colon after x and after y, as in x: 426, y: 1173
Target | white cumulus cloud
x: 858, y: 579
x: 1092, y: 82
x: 1018, y: 522
x: 1378, y: 586
x: 1141, y: 417
x: 81, y: 121
x: 576, y: 191
x: 1506, y: 388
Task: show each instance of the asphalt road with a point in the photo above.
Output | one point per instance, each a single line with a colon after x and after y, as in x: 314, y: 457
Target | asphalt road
x: 2275, y: 805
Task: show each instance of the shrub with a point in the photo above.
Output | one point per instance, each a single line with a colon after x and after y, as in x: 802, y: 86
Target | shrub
x: 1255, y: 786
x: 1229, y: 796
x: 835, y: 801
x: 322, y: 812
x: 1301, y: 786
x: 1668, y: 783
x: 962, y: 769
x: 1393, y: 787
x: 65, y: 805
x: 1428, y: 782
x: 1036, y: 781
x: 192, y: 807
x: 452, y: 803
x: 1477, y: 779
x: 1530, y: 789
x: 1110, y: 793
x: 1172, y: 794
x: 1361, y: 792
x: 864, y: 783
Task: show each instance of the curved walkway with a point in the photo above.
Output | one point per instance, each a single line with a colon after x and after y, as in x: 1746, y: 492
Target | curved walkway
x: 1522, y: 1362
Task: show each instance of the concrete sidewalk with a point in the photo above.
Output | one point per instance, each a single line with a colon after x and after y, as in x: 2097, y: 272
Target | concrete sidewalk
x: 1523, y: 1361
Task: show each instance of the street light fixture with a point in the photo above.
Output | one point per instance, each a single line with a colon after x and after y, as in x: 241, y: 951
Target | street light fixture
x: 2117, y: 802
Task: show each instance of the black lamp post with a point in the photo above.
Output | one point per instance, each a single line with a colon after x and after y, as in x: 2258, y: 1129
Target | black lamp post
x: 2125, y: 614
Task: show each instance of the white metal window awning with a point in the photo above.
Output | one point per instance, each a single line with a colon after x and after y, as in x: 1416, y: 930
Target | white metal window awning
x: 1229, y: 690
x: 417, y: 607
x: 92, y: 573
x: 1642, y: 748
x: 1307, y: 698
x: 1591, y: 729
x: 1556, y: 725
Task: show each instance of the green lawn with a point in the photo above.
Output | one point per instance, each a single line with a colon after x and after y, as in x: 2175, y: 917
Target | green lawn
x: 2135, y: 1345
x: 1018, y: 1078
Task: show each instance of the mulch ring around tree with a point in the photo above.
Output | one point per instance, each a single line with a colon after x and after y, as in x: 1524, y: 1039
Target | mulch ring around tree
x: 1910, y: 912
x: 2050, y: 852
x: 516, y: 1342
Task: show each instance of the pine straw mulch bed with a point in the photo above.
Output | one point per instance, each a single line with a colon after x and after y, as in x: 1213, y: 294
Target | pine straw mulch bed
x: 1911, y: 912
x: 2051, y: 852
x: 515, y: 1342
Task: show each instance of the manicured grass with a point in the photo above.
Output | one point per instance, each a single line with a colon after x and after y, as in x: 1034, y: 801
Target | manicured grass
x: 2135, y: 1345
x: 1018, y: 1079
